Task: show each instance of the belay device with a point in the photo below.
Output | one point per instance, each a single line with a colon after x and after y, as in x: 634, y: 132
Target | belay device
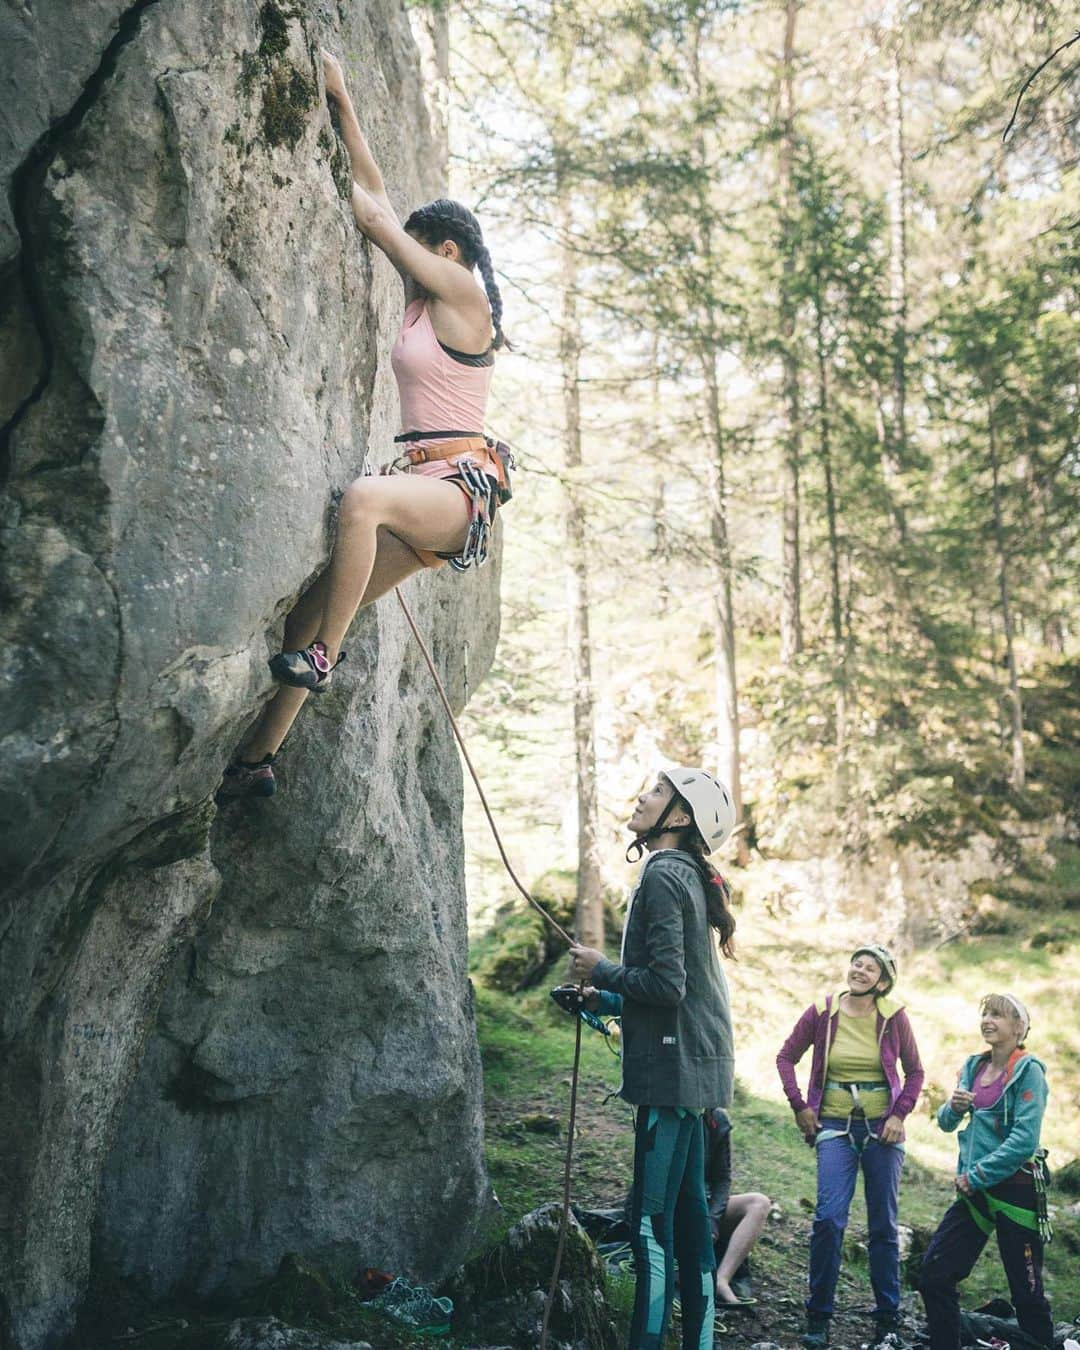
x: 570, y: 999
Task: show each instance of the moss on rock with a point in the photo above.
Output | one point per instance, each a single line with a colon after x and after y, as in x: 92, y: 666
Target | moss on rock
x: 288, y: 98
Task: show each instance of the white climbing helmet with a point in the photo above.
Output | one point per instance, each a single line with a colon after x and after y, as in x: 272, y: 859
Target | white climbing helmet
x: 709, y: 802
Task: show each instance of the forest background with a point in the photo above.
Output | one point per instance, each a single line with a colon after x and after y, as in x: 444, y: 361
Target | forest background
x: 794, y: 396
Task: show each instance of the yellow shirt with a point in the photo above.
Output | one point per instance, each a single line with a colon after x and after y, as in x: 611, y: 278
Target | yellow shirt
x: 855, y: 1058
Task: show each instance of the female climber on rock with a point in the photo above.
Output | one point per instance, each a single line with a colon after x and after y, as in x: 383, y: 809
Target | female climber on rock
x: 439, y: 510
x: 678, y: 1054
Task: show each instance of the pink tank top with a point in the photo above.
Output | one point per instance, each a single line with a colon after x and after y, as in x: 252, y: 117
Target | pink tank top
x: 436, y: 391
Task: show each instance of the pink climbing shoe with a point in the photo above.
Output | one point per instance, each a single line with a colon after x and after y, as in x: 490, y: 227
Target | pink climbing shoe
x: 308, y: 668
x: 243, y: 779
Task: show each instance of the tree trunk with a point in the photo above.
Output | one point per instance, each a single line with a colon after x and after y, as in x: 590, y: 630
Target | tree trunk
x: 791, y: 638
x: 589, y: 922
x: 727, y: 687
x: 895, y: 444
x: 660, y: 552
x: 1016, y: 711
x: 835, y: 604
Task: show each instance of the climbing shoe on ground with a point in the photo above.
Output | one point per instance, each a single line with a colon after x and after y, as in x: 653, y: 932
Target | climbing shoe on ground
x: 415, y: 1306
x: 244, y: 779
x: 816, y: 1335
x: 308, y: 668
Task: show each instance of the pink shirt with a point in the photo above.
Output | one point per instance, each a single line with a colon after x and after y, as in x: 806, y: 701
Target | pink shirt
x: 436, y: 392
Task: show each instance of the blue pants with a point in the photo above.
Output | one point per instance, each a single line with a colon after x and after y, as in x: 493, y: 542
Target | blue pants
x: 838, y: 1164
x: 669, y: 1222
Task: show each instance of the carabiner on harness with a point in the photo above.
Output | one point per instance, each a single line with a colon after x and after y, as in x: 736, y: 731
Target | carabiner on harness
x: 481, y: 494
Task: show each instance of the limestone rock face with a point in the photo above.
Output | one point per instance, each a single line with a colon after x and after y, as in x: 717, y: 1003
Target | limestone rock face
x: 194, y: 357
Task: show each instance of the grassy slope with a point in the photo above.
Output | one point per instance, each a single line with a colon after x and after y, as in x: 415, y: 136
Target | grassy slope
x: 786, y: 959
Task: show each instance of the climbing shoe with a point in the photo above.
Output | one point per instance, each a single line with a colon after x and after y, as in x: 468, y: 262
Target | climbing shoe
x: 816, y: 1335
x: 308, y: 668
x: 415, y: 1306
x: 243, y: 779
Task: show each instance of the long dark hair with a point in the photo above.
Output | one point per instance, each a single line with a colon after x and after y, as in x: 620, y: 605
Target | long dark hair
x: 717, y: 891
x: 446, y: 219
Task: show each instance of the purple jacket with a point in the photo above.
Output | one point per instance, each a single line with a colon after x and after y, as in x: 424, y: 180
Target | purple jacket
x: 817, y: 1027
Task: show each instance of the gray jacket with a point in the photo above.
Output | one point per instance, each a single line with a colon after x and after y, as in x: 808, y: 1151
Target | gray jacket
x: 677, y: 1045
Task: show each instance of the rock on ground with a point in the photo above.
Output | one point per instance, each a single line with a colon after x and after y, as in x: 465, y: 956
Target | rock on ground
x: 267, y: 1333
x: 502, y: 1294
x: 194, y: 358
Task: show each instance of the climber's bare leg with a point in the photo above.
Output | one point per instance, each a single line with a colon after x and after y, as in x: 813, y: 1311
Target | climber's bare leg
x: 428, y: 513
x: 394, y: 561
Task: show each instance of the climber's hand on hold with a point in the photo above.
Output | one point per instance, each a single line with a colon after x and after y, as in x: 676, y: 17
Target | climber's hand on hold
x: 585, y: 960
x: 334, y: 77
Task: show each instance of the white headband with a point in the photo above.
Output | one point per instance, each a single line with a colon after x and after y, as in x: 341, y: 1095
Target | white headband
x: 1021, y: 1012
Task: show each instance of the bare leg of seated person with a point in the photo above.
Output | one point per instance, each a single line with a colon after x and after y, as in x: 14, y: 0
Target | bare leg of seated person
x: 742, y: 1223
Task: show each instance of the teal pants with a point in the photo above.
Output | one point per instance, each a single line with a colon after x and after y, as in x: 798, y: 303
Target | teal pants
x: 669, y: 1223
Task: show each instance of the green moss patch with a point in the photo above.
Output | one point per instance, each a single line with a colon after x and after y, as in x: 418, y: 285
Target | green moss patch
x: 288, y: 98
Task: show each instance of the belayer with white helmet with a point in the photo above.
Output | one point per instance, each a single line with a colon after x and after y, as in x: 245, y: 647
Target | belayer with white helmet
x: 678, y: 1051
x: 853, y: 1115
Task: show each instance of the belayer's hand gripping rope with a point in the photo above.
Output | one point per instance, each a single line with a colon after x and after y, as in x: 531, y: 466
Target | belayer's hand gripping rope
x: 571, y: 999
x: 564, y: 1221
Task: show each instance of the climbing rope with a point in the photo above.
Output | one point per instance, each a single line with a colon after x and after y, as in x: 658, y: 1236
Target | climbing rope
x: 473, y: 774
x: 565, y: 1217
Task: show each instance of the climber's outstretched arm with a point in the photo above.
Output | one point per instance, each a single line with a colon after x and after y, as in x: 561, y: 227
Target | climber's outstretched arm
x: 439, y: 276
x: 365, y: 171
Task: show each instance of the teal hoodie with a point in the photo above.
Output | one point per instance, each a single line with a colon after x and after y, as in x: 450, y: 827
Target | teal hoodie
x: 998, y: 1139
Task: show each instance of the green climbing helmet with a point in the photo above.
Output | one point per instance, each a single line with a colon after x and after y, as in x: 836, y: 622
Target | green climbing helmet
x: 882, y: 956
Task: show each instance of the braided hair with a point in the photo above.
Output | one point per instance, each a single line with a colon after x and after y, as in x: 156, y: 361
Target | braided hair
x: 446, y: 219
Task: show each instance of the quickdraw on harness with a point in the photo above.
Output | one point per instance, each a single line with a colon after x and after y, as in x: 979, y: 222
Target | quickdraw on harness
x: 486, y: 492
x: 1035, y: 1220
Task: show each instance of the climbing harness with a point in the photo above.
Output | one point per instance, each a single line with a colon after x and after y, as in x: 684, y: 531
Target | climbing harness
x: 485, y: 491
x: 857, y: 1112
x: 557, y: 927
x: 1036, y: 1220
